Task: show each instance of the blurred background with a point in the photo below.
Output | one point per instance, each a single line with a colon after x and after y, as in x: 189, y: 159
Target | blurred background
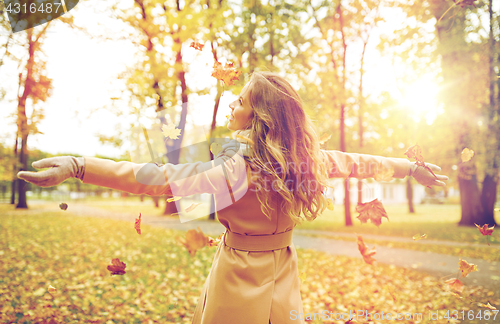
x: 378, y: 76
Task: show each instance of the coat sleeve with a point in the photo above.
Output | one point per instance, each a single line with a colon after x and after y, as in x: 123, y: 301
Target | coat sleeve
x: 344, y: 165
x: 177, y: 180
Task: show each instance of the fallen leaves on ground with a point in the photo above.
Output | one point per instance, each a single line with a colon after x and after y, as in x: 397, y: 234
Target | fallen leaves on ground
x: 373, y: 211
x: 137, y: 224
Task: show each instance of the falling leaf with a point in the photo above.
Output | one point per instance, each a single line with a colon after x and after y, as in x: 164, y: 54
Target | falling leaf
x: 63, y: 206
x: 325, y: 137
x: 467, y: 154
x: 419, y: 237
x: 485, y: 230
x: 373, y: 211
x: 117, y: 267
x: 302, y: 276
x: 194, y: 241
x: 173, y: 199
x: 466, y: 268
x: 228, y: 74
x: 329, y: 204
x: 137, y: 224
x: 228, y: 116
x: 215, y: 148
x: 212, y: 242
x: 367, y: 254
x: 191, y: 207
x: 52, y: 290
x: 383, y: 173
x: 197, y: 45
x: 169, y: 131
x: 414, y: 152
x: 487, y: 306
x: 455, y: 284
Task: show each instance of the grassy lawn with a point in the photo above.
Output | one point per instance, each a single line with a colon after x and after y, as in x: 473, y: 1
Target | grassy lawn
x: 163, y: 282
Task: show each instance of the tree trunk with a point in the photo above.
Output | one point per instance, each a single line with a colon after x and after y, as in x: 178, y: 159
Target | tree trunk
x: 21, y: 186
x: 488, y: 199
x: 409, y: 195
x: 469, y: 196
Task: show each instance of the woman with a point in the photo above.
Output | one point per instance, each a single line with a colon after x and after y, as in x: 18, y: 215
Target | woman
x: 273, y: 185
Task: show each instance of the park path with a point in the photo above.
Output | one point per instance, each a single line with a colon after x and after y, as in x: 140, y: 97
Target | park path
x: 438, y: 265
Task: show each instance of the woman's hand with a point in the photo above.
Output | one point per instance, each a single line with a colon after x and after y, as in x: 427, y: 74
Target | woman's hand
x: 427, y: 178
x: 61, y: 168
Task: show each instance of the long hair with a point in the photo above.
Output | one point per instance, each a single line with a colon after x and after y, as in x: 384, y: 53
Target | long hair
x: 285, y: 150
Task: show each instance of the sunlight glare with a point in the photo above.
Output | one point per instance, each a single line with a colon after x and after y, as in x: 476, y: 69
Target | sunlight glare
x: 421, y: 99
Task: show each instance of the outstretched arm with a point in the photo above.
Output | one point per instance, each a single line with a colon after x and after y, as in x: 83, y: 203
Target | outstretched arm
x: 344, y: 165
x: 147, y: 178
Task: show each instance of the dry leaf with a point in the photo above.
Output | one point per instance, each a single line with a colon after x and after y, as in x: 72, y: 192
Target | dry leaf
x: 197, y: 45
x: 419, y: 237
x: 383, y: 173
x: 215, y: 148
x: 117, y: 267
x: 137, y: 224
x: 415, y: 152
x: 227, y: 74
x: 485, y: 230
x: 325, y: 137
x: 63, y: 206
x: 367, y: 254
x: 455, y: 284
x: 169, y: 131
x: 52, y: 290
x: 173, y: 199
x: 329, y: 204
x: 373, y: 211
x: 191, y: 207
x: 466, y: 268
x: 194, y: 241
x: 302, y: 276
x: 467, y: 154
x: 212, y: 242
x: 487, y: 306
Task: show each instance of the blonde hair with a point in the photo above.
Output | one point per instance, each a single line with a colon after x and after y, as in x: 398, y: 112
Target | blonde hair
x: 283, y: 141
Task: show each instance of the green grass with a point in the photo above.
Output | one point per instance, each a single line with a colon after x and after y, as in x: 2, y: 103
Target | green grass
x: 439, y: 222
x: 163, y: 281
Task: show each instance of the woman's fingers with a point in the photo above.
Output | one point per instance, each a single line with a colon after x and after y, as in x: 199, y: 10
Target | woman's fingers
x: 45, y: 163
x: 433, y: 167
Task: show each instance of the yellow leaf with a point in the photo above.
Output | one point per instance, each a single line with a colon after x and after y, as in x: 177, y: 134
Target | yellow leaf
x: 325, y: 137
x: 194, y: 241
x: 329, y: 204
x: 302, y: 276
x: 173, y: 199
x: 169, y: 131
x: 467, y: 154
x: 419, y: 237
x: 383, y: 173
x: 215, y: 148
x: 487, y: 306
x: 466, y: 268
x: 52, y: 290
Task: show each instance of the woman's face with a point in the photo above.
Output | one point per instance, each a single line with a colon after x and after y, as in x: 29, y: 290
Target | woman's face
x: 241, y: 111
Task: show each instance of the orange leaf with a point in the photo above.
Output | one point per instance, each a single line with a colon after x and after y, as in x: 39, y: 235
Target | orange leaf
x: 415, y: 152
x: 485, y: 230
x: 117, y: 267
x: 455, y: 284
x: 487, y: 306
x: 191, y: 207
x: 373, y: 211
x: 466, y: 268
x: 228, y: 74
x: 197, y: 45
x: 137, y: 224
x: 194, y: 241
x: 212, y: 242
x: 367, y: 254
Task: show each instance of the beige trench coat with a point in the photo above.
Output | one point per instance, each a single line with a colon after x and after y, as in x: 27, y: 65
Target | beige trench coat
x: 244, y: 287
